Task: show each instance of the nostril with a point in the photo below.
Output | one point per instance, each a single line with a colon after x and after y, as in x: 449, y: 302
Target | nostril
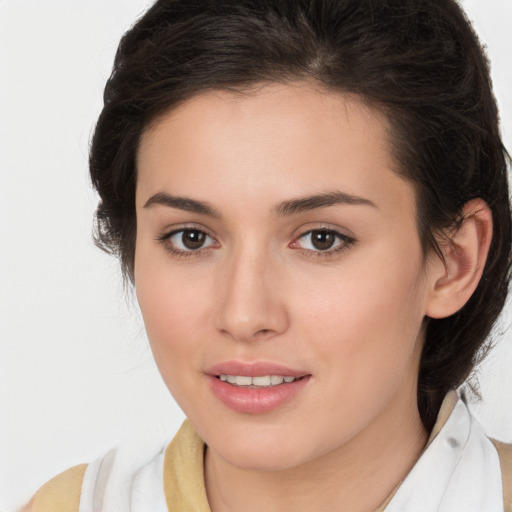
x: 263, y: 332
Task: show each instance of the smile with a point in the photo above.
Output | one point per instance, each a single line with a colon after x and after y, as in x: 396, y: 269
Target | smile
x: 257, y: 394
x: 264, y: 381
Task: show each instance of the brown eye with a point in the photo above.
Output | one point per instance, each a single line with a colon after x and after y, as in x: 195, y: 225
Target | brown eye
x: 323, y: 240
x: 193, y: 239
x: 188, y: 240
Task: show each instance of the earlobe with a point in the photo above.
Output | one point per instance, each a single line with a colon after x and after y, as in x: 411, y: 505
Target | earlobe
x: 454, y: 280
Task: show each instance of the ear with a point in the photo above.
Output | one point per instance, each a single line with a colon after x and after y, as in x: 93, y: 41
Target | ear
x: 454, y: 280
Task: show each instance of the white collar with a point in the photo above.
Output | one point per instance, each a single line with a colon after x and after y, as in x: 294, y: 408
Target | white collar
x: 458, y: 472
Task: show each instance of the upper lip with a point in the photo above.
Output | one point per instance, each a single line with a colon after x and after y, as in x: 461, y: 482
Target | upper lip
x: 253, y: 369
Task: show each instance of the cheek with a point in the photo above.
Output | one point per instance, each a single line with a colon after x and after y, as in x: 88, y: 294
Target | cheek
x: 368, y: 316
x: 172, y: 312
x: 174, y: 308
x: 363, y: 334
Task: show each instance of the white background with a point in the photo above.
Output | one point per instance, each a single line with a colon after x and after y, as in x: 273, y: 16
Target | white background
x: 76, y: 374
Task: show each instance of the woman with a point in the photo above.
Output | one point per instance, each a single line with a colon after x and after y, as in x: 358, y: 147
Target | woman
x: 311, y: 200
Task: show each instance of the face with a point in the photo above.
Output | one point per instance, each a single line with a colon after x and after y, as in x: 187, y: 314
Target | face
x: 279, y: 272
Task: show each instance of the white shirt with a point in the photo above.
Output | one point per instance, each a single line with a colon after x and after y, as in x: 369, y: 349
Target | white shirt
x: 459, y: 471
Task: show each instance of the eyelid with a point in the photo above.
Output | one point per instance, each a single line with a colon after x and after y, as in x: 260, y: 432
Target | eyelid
x: 187, y: 226
x: 167, y: 235
x: 185, y: 249
x: 344, y: 241
x: 305, y: 229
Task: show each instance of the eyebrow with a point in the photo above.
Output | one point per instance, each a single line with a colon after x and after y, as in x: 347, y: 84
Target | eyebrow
x: 291, y: 207
x: 182, y: 203
x: 320, y: 201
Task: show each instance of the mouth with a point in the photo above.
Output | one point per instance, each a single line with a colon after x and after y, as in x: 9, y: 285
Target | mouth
x: 257, y: 387
x: 263, y: 381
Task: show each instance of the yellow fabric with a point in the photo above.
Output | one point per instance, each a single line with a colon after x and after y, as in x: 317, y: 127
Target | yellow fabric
x: 505, y: 454
x: 60, y: 494
x: 184, y: 470
x: 184, y: 473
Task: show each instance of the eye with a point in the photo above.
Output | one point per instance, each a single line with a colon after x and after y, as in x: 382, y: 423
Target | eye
x: 188, y: 240
x: 322, y: 240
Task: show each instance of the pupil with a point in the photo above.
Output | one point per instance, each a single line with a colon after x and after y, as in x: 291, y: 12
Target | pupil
x: 323, y: 240
x: 193, y: 239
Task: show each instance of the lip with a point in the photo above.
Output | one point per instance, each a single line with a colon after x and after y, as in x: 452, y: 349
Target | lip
x: 253, y: 369
x: 251, y: 400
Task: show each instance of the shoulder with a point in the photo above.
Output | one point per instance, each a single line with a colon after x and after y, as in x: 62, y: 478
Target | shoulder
x: 111, y: 480
x: 60, y: 494
x: 505, y: 454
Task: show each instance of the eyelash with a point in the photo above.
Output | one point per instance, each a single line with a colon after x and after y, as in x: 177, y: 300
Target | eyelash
x: 165, y: 240
x: 344, y: 243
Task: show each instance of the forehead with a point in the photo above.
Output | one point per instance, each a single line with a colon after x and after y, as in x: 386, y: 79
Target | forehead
x: 292, y: 138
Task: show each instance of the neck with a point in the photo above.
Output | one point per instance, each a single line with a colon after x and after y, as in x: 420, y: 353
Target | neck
x: 358, y: 476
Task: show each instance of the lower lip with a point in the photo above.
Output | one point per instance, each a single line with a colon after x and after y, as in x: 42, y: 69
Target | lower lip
x: 255, y: 400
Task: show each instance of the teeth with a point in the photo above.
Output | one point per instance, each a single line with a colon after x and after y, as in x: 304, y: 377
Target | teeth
x: 262, y: 381
x: 265, y: 381
x: 243, y: 381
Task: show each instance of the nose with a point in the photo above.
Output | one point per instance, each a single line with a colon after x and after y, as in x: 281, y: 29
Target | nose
x: 250, y: 302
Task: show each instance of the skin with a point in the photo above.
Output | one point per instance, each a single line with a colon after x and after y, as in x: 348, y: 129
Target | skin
x: 258, y: 290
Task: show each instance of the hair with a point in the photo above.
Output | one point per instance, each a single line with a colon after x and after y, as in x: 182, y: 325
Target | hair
x: 417, y: 61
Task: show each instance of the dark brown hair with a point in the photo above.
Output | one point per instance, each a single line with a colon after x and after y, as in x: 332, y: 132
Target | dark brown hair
x: 418, y: 61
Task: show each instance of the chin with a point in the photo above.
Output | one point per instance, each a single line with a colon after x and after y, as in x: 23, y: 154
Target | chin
x: 267, y: 450
x: 261, y: 459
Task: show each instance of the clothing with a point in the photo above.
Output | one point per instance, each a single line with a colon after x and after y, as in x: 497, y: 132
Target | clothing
x: 459, y: 470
